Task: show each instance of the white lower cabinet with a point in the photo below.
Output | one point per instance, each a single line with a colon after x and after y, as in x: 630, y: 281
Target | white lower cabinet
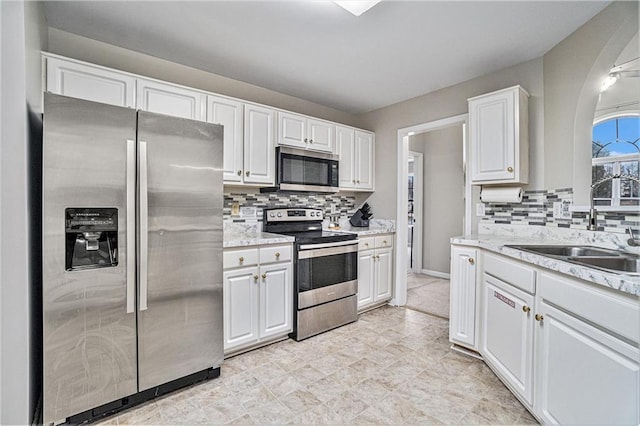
x: 507, y: 334
x: 585, y: 374
x: 567, y: 348
x: 462, y: 309
x: 375, y: 270
x: 257, y: 295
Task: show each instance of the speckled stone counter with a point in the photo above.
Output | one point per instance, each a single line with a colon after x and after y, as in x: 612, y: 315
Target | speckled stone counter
x: 496, y: 242
x: 252, y: 238
x: 376, y: 226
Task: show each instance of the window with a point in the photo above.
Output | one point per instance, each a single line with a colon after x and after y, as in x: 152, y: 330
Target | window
x: 616, y: 150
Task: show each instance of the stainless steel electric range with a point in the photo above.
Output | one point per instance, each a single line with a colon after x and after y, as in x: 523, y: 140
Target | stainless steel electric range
x: 325, y: 270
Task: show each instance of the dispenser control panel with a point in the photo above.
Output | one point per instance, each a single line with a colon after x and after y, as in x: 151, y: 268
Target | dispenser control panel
x: 91, y: 238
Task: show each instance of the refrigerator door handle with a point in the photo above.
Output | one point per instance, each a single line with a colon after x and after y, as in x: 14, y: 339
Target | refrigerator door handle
x: 131, y: 225
x: 143, y: 227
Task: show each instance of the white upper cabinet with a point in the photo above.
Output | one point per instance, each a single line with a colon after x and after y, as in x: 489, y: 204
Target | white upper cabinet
x: 306, y: 133
x: 355, y: 149
x: 229, y: 113
x: 499, y: 137
x: 259, y: 149
x: 91, y: 83
x: 168, y: 99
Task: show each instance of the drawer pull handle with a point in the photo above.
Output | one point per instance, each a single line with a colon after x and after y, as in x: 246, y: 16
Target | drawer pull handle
x: 366, y: 244
x: 526, y: 309
x: 247, y: 173
x: 306, y: 139
x: 241, y: 259
x: 264, y: 276
x: 510, y: 169
x: 277, y: 255
x: 384, y: 242
x: 471, y: 261
x: 239, y: 172
x: 255, y: 278
x: 539, y: 317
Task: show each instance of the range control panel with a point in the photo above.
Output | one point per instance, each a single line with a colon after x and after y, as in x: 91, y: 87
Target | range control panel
x: 292, y: 215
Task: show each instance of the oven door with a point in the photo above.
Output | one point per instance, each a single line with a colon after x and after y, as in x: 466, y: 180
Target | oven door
x: 326, y: 272
x: 305, y: 171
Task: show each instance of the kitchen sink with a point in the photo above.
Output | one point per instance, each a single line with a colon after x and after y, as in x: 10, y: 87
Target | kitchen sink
x: 595, y: 257
x: 626, y: 264
x: 567, y: 251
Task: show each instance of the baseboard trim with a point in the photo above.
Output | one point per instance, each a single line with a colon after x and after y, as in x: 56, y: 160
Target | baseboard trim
x: 436, y: 274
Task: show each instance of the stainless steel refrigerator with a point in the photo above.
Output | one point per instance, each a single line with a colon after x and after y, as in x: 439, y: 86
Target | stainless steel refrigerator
x: 132, y: 254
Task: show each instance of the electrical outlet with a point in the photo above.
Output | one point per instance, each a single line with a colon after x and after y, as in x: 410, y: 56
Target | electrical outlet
x: 480, y: 209
x: 561, y: 209
x: 248, y: 212
x: 235, y: 209
x: 334, y: 209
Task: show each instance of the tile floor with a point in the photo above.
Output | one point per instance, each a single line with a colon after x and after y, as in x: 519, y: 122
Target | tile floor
x: 392, y: 366
x: 428, y: 294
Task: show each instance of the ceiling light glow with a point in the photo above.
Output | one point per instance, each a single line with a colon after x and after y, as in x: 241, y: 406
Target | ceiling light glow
x: 609, y: 81
x: 356, y: 7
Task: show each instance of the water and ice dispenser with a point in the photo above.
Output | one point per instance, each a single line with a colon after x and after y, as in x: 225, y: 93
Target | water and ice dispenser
x: 91, y: 238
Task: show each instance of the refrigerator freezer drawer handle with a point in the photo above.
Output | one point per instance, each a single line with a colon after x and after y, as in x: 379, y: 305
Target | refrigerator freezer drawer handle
x: 131, y: 225
x: 143, y: 224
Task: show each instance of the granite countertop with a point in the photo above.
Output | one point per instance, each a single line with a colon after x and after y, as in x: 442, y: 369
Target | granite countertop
x: 497, y: 244
x: 239, y: 238
x: 376, y: 226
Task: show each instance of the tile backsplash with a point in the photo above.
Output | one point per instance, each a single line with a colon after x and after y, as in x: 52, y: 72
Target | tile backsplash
x: 330, y: 203
x: 536, y: 209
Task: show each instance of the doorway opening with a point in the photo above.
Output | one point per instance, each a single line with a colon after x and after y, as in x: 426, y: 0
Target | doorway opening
x: 445, y: 211
x: 414, y: 207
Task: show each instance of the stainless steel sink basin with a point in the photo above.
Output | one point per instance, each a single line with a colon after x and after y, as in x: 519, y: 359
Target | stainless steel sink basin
x: 627, y: 264
x: 595, y: 257
x: 567, y: 251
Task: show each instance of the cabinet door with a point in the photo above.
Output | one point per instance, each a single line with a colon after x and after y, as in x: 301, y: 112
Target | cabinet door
x: 345, y: 141
x: 366, y: 277
x: 168, y: 99
x: 320, y: 134
x: 259, y: 150
x: 462, y: 321
x: 276, y: 307
x: 240, y: 308
x: 492, y: 133
x: 364, y: 160
x: 229, y: 113
x: 507, y: 334
x: 384, y: 274
x: 292, y: 130
x: 584, y: 376
x: 90, y: 83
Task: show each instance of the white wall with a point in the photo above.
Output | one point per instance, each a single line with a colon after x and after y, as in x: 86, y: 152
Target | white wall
x: 573, y: 74
x: 85, y: 49
x: 23, y: 34
x: 448, y: 102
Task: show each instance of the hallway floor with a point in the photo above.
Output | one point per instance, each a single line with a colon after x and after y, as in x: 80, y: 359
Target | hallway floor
x: 428, y: 294
x: 392, y: 366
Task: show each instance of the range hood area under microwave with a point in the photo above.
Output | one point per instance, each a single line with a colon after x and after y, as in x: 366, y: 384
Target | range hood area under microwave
x: 302, y: 170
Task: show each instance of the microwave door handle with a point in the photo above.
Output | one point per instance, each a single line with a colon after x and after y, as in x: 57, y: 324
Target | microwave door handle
x: 131, y: 225
x: 143, y: 228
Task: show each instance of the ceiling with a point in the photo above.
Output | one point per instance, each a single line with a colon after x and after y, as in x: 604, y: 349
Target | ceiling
x: 317, y: 51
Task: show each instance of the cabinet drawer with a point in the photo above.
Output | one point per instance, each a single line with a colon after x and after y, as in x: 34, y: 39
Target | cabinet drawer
x: 384, y: 241
x: 275, y: 254
x: 510, y: 272
x: 366, y: 243
x: 618, y: 313
x: 236, y: 258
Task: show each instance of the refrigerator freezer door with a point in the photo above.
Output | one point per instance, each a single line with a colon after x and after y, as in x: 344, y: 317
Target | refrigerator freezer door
x: 180, y: 331
x: 89, y: 339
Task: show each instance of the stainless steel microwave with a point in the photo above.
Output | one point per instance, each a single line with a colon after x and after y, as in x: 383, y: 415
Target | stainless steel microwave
x: 301, y: 170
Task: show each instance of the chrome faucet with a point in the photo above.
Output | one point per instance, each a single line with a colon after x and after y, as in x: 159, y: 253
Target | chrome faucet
x: 593, y: 213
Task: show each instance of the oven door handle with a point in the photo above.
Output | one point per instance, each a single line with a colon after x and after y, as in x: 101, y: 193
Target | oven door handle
x: 325, y: 245
x: 328, y: 251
